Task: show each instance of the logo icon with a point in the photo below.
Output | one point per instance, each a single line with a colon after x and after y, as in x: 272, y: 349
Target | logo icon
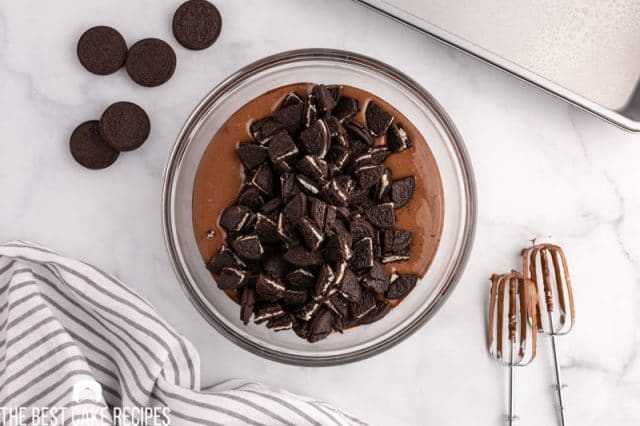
x: 87, y: 390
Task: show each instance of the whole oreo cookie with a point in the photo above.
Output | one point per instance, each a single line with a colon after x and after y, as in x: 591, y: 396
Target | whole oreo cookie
x: 89, y: 148
x: 102, y: 50
x: 124, y: 126
x: 197, y: 24
x: 151, y: 62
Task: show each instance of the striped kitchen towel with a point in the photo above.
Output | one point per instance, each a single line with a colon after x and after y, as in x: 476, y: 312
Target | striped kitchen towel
x: 79, y: 347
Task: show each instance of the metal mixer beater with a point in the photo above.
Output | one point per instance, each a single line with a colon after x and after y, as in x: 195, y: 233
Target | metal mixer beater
x: 546, y: 265
x: 513, y: 324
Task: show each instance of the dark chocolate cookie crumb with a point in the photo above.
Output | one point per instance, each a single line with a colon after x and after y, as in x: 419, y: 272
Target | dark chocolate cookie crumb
x: 401, y: 285
x: 347, y: 107
x: 102, y: 50
x: 365, y: 305
x: 397, y: 139
x: 270, y: 288
x: 284, y: 322
x: 89, y: 148
x: 315, y: 139
x: 197, y: 24
x: 224, y: 259
x: 251, y: 198
x: 300, y: 256
x: 281, y: 147
x: 151, y: 62
x: 362, y: 254
x: 349, y: 287
x: 320, y: 326
x: 234, y: 218
x: 291, y: 117
x: 378, y: 120
x: 325, y: 97
x: 402, y: 191
x: 381, y: 215
x: 359, y: 133
x: 247, y: 303
x: 396, y: 241
x: 263, y: 180
x: 232, y: 278
x: 248, y: 247
x: 252, y: 154
x: 381, y: 309
x: 300, y: 278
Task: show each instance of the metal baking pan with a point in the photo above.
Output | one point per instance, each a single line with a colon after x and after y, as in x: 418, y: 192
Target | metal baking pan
x: 587, y: 53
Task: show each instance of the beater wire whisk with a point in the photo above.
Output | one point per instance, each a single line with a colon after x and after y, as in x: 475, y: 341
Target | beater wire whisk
x: 513, y: 323
x: 546, y: 265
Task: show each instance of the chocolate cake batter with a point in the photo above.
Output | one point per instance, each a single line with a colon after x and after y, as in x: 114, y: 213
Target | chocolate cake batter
x: 220, y: 176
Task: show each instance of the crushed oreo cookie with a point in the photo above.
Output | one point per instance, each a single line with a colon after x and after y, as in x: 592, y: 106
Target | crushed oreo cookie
x: 402, y: 191
x: 400, y: 286
x: 378, y: 120
x: 314, y: 225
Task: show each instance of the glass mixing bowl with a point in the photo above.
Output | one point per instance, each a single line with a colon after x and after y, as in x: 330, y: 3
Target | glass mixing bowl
x: 329, y: 67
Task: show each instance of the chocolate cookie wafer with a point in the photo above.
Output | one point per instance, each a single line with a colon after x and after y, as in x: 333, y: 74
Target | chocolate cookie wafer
x: 151, y: 62
x: 89, y: 148
x: 125, y: 126
x: 197, y: 24
x: 102, y: 50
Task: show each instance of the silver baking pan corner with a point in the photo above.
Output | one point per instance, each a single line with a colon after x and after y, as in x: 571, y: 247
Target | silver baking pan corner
x: 627, y: 117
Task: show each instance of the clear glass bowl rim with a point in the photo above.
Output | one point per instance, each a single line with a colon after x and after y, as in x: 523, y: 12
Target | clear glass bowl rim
x: 182, y: 143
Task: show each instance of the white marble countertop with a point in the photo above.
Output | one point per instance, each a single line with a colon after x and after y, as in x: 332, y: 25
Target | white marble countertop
x: 543, y: 169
